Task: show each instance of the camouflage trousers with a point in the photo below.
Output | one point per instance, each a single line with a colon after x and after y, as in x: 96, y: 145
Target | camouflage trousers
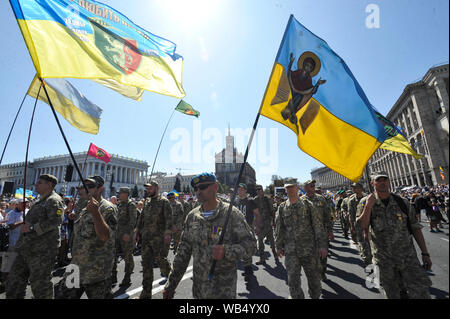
x: 364, y: 247
x: 294, y: 266
x: 323, y: 262
x: 37, y: 269
x: 344, y: 223
x: 265, y: 231
x: 176, y: 240
x: 151, y: 252
x: 409, y: 276
x: 127, y: 249
x: 98, y: 290
x: 247, y: 261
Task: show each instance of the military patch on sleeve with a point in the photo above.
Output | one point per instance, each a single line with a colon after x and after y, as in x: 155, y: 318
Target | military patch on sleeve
x: 110, y: 209
x: 59, y: 212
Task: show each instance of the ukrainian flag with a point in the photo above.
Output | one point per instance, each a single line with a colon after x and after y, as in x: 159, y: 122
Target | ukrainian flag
x: 395, y: 140
x: 70, y: 103
x: 89, y: 40
x: 313, y: 92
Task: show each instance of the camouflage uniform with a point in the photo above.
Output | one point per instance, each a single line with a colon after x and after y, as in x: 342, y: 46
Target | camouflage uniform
x: 393, y: 250
x: 154, y: 223
x: 198, y: 237
x: 186, y: 209
x: 125, y: 226
x: 364, y: 245
x: 177, y: 222
x: 343, y: 216
x: 265, y: 210
x: 299, y: 230
x: 37, y: 250
x: 321, y: 204
x: 93, y: 256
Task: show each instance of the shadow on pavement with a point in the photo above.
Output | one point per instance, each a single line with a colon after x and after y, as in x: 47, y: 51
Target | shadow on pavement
x: 255, y: 291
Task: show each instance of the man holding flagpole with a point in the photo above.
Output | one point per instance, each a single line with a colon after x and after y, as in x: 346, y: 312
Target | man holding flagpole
x: 38, y: 243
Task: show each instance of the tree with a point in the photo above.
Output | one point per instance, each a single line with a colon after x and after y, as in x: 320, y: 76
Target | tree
x: 135, y: 192
x: 177, y: 185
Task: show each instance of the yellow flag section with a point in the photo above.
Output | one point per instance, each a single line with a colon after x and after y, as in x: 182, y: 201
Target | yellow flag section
x: 322, y: 103
x: 70, y: 103
x: 89, y: 40
x: 126, y: 90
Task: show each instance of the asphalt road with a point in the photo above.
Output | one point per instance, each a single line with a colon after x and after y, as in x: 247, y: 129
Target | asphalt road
x: 346, y: 274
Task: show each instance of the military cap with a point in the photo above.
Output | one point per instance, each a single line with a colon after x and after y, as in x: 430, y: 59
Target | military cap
x: 202, y: 178
x: 49, y: 178
x: 242, y: 185
x: 151, y: 183
x: 171, y: 194
x: 124, y: 190
x: 309, y: 181
x: 377, y: 175
x: 290, y: 183
x: 358, y: 185
x: 98, y: 180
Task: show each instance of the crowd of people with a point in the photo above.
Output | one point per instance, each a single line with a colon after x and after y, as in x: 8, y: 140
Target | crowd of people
x: 92, y: 232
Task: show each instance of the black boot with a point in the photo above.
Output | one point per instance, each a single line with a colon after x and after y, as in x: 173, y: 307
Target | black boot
x: 126, y: 280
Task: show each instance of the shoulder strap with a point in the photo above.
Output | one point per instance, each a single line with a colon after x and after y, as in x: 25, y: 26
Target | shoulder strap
x: 404, y: 209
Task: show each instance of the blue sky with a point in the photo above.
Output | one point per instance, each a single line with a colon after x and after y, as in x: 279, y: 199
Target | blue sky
x: 228, y: 47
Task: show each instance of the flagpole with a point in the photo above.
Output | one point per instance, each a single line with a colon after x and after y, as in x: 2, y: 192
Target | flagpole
x: 236, y: 183
x: 151, y: 173
x: 26, y: 155
x: 64, y: 136
x: 12, y: 127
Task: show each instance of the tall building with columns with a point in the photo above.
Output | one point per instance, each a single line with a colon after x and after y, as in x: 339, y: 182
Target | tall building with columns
x: 422, y: 112
x: 119, y: 172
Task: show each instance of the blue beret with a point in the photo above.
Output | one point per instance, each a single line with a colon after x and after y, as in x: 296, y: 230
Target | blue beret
x: 203, y: 177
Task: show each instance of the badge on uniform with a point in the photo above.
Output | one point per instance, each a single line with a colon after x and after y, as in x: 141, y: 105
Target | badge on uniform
x: 399, y: 216
x: 215, y: 230
x: 59, y: 212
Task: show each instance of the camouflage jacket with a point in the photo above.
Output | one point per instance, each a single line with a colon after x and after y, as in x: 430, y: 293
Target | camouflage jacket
x: 299, y: 228
x: 92, y: 255
x: 155, y: 221
x: 126, y: 217
x: 325, y: 213
x: 353, y: 206
x: 177, y: 215
x: 390, y: 239
x: 344, y: 205
x: 265, y: 211
x: 46, y: 216
x: 186, y: 208
x: 198, y: 237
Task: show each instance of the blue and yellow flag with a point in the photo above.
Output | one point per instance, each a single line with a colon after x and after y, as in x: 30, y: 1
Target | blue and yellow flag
x: 395, y: 140
x: 70, y: 103
x: 89, y: 40
x: 313, y: 92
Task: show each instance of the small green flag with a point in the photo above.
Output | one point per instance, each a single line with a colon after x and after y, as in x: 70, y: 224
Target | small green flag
x: 185, y: 108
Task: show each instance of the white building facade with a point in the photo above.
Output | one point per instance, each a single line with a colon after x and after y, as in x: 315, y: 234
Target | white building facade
x: 119, y: 172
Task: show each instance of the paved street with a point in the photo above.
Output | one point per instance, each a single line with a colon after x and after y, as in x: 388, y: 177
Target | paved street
x: 347, y: 278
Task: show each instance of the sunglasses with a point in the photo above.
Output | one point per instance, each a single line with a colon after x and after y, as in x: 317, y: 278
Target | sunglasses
x: 90, y: 186
x: 202, y: 187
x: 259, y: 189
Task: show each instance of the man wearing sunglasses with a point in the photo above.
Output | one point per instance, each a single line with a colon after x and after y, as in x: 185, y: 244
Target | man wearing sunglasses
x: 155, y: 229
x: 202, y: 229
x: 38, y: 244
x: 93, y: 246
